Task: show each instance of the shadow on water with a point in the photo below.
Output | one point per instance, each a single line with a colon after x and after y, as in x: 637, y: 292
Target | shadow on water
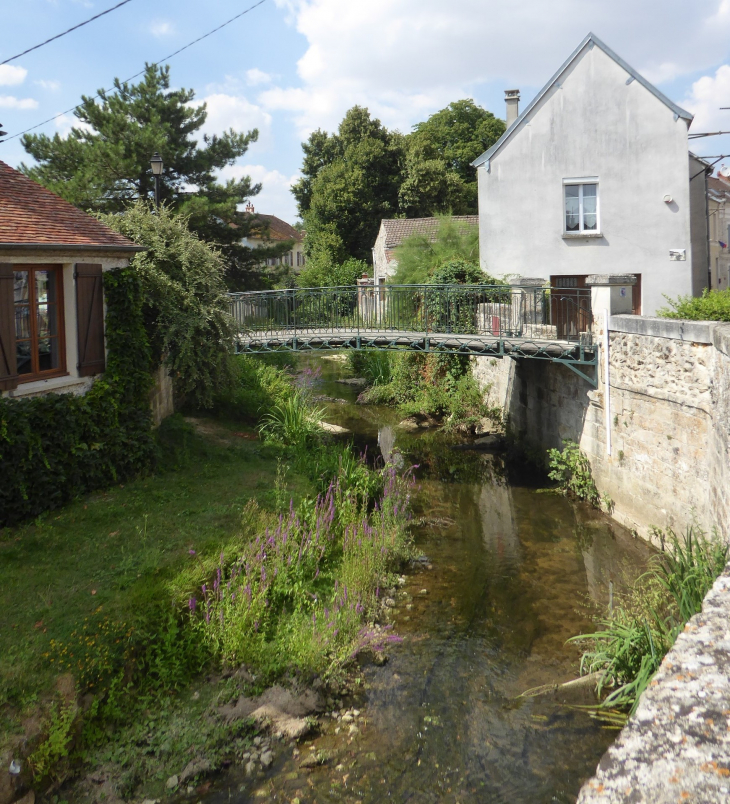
x: 508, y: 574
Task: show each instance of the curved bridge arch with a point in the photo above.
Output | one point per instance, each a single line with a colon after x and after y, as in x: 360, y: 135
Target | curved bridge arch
x: 487, y: 320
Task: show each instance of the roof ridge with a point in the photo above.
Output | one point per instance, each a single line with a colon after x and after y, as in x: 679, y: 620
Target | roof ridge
x: 590, y: 38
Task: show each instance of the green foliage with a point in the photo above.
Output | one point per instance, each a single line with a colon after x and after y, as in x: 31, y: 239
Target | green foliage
x: 372, y: 364
x: 321, y: 272
x: 257, y: 386
x: 53, y: 751
x: 292, y: 421
x: 571, y: 470
x: 712, y: 305
x: 55, y: 447
x: 636, y: 636
x: 104, y: 164
x: 353, y: 179
x: 420, y: 257
x: 185, y: 303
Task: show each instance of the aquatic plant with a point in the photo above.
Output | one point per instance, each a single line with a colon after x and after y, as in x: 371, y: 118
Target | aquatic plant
x: 292, y: 420
x: 635, y: 637
x: 571, y: 470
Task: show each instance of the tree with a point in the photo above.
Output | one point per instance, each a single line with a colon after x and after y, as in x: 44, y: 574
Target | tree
x: 185, y: 301
x: 104, y: 164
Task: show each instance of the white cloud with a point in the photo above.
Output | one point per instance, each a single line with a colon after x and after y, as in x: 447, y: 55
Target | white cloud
x: 275, y: 197
x: 10, y: 102
x: 706, y: 97
x: 65, y: 122
x: 235, y: 111
x: 10, y: 75
x: 161, y: 28
x: 53, y: 86
x: 407, y: 58
x: 254, y: 77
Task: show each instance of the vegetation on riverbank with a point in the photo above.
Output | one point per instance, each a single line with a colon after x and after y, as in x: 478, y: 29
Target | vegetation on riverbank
x: 639, y: 631
x: 269, y: 552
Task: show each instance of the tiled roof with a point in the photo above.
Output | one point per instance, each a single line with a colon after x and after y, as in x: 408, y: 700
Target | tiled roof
x: 398, y: 229
x: 30, y: 215
x: 718, y: 184
x: 277, y: 229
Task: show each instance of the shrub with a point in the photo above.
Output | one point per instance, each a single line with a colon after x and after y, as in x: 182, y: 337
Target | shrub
x: 571, y: 470
x: 372, y: 364
x: 292, y: 420
x: 257, y: 385
x: 712, y: 305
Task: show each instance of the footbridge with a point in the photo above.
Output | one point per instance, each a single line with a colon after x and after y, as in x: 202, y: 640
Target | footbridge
x: 498, y: 321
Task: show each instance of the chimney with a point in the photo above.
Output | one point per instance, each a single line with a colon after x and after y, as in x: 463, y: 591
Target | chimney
x: 512, y: 99
x: 249, y: 208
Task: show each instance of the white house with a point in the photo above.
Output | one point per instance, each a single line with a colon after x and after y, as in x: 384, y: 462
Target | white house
x: 394, y: 231
x: 595, y: 177
x: 268, y: 230
x: 52, y: 257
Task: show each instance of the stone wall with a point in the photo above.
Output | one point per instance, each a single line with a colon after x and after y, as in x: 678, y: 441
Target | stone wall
x: 669, y: 419
x: 161, y: 396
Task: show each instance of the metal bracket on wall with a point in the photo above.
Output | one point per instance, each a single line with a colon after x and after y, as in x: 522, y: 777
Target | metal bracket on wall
x: 574, y: 368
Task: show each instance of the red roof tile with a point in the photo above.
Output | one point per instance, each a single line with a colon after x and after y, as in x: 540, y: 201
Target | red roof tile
x: 398, y: 229
x: 277, y: 229
x: 30, y: 215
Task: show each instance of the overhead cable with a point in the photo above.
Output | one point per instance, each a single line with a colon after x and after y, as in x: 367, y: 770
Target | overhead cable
x: 141, y: 72
x: 58, y: 36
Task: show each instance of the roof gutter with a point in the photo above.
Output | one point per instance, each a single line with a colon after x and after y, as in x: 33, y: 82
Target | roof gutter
x: 70, y: 248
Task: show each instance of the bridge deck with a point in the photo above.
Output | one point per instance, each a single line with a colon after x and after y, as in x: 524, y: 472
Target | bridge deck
x: 477, y: 344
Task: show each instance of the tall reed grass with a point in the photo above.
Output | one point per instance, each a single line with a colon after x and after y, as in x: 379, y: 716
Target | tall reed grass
x: 634, y: 638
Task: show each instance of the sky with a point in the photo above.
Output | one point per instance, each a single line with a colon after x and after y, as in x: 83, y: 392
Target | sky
x: 292, y: 66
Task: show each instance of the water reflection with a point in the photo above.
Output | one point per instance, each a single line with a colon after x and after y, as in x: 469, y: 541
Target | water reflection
x: 511, y: 572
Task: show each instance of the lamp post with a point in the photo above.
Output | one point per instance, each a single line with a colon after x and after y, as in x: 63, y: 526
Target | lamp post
x: 156, y: 165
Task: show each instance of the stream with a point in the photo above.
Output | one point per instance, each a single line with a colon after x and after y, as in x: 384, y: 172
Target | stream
x: 507, y: 576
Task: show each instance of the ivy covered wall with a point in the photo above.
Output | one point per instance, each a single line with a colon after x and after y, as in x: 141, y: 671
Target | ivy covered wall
x: 56, y: 447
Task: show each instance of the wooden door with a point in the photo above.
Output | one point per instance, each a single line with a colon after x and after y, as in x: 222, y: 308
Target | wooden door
x: 569, y: 306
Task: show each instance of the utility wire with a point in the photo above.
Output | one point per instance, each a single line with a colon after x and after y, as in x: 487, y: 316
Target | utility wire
x: 58, y: 36
x: 136, y: 75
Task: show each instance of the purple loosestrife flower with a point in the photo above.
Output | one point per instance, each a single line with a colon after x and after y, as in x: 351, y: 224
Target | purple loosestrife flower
x: 191, y: 552
x: 192, y: 604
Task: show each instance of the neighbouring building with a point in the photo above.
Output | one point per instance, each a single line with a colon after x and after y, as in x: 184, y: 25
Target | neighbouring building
x: 595, y: 177
x: 718, y: 212
x: 270, y: 232
x: 394, y: 231
x: 52, y: 257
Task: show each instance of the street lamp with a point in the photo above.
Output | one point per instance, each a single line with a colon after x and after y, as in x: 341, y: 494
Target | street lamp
x: 156, y: 165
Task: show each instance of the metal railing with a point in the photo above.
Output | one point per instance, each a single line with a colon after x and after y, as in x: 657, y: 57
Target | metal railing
x: 494, y: 311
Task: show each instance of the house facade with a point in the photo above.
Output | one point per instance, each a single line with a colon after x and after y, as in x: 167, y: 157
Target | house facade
x: 595, y: 177
x: 52, y: 257
x: 394, y: 231
x: 272, y: 231
x: 718, y: 220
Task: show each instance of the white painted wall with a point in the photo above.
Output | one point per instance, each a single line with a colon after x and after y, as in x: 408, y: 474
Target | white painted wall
x: 593, y: 124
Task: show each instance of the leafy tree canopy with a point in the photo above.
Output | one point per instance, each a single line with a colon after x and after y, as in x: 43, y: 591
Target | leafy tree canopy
x: 185, y: 307
x: 104, y: 164
x: 333, y: 274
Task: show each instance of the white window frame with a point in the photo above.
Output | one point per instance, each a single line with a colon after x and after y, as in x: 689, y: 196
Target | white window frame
x: 581, y: 232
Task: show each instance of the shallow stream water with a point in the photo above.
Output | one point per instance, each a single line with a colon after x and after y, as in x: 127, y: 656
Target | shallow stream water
x: 507, y: 577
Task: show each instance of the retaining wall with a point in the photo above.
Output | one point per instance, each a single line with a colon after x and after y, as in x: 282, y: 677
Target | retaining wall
x: 669, y: 419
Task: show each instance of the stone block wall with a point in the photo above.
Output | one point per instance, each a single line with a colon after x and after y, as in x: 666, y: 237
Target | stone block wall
x: 669, y: 419
x: 161, y: 396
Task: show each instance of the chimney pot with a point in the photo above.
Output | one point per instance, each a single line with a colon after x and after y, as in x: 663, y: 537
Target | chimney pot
x: 512, y: 100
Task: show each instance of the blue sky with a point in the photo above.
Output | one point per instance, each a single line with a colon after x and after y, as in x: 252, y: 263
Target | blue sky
x: 291, y: 66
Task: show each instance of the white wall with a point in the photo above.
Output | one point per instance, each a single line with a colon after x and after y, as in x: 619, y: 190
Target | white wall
x: 593, y: 124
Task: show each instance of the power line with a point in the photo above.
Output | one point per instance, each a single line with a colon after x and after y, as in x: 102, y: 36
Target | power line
x: 58, y: 36
x: 141, y: 72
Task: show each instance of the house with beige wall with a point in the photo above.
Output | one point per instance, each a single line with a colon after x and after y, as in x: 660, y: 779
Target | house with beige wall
x: 595, y: 176
x: 52, y: 258
x: 268, y: 230
x: 718, y: 213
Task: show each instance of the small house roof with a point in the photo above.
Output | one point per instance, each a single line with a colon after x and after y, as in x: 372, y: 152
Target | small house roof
x: 589, y: 41
x: 32, y: 217
x: 398, y: 229
x: 277, y: 229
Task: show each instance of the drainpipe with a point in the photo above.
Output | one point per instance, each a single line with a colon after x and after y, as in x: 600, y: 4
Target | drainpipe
x: 606, y: 383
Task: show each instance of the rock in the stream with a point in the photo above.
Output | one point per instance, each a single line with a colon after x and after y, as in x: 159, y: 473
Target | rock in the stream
x: 354, y: 382
x: 250, y: 768
x: 267, y: 759
x: 194, y: 768
x: 335, y: 429
x: 172, y: 783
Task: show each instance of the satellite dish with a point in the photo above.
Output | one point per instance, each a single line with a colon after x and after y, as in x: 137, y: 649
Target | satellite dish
x: 725, y: 171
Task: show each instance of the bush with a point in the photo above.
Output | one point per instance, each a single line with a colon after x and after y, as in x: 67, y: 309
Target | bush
x: 185, y: 300
x: 257, y: 386
x: 56, y: 447
x: 571, y: 470
x: 292, y: 421
x: 371, y: 364
x: 712, y: 305
x: 323, y: 272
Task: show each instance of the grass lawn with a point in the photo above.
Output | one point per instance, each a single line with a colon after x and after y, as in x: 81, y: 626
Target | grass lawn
x: 116, y: 549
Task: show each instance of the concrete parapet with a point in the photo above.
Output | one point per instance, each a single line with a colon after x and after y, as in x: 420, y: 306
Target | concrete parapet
x: 680, y: 330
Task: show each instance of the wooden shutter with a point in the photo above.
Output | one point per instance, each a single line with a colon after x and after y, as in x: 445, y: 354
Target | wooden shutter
x: 90, y: 319
x: 8, y: 364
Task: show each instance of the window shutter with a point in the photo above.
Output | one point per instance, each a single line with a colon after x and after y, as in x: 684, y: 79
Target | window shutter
x: 8, y: 365
x: 90, y: 319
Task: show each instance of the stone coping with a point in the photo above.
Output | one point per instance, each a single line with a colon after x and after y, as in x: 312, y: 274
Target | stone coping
x: 676, y: 748
x: 610, y: 279
x: 693, y: 331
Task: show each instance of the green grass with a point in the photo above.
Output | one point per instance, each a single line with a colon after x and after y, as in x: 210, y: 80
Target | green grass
x: 117, y: 549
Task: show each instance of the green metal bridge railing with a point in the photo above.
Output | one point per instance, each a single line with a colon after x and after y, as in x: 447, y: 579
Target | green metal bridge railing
x: 498, y: 320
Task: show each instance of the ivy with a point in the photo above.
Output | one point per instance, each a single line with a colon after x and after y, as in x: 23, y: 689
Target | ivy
x: 59, y: 446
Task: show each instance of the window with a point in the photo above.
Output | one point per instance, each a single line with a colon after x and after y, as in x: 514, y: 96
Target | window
x: 38, y: 297
x: 581, y: 207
